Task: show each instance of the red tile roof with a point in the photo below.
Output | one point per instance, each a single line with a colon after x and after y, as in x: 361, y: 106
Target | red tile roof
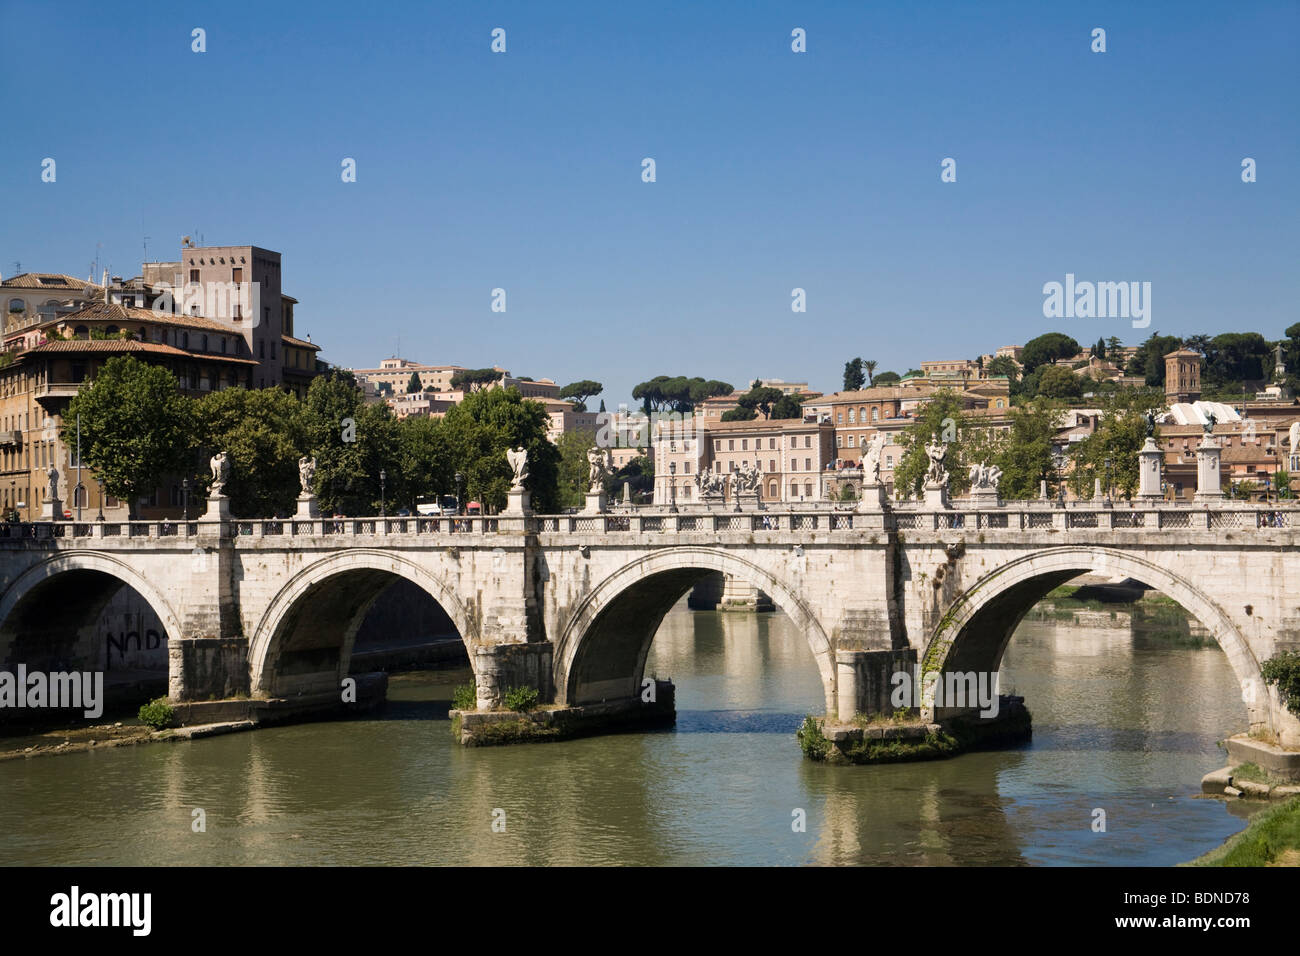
x: 121, y: 346
x: 51, y: 281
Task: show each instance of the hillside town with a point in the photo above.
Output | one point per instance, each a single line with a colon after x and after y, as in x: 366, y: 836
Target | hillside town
x: 801, y: 445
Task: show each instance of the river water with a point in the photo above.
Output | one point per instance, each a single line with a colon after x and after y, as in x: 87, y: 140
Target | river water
x: 1119, y: 726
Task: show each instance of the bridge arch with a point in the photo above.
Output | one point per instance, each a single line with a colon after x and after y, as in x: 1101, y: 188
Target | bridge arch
x: 38, y: 608
x: 601, y: 651
x: 974, y: 632
x: 340, y: 588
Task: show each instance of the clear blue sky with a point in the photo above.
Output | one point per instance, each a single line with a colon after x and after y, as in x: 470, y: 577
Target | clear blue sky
x: 775, y: 170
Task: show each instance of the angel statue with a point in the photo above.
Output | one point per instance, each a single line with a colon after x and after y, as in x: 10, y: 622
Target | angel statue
x: 220, y: 465
x: 518, y: 459
x: 53, y: 477
x: 598, y: 462
x: 936, y: 450
x: 871, y: 460
x: 306, y: 473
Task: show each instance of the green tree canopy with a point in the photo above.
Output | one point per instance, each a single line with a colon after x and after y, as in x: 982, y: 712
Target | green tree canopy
x: 136, y: 427
x: 580, y: 391
x: 1118, y: 437
x: 677, y: 393
x: 1057, y: 381
x: 264, y: 431
x: 887, y: 378
x: 740, y: 414
x: 1026, y: 459
x: 474, y: 379
x: 761, y: 399
x: 413, y: 384
x: 1047, y: 349
x: 480, y: 430
x: 854, y: 375
x: 787, y: 406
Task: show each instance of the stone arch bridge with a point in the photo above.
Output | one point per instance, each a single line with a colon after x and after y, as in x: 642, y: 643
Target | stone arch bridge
x: 569, y: 604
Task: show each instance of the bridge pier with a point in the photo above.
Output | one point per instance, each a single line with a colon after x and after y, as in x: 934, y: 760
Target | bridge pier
x: 500, y: 667
x: 864, y: 680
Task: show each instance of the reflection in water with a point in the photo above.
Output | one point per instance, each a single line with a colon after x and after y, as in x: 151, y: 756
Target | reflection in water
x: 1129, y: 731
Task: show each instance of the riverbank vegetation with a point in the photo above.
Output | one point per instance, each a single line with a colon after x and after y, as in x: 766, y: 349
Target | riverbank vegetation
x: 1271, y: 839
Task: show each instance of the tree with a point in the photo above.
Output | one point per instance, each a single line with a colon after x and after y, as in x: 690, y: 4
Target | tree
x: 638, y: 474
x: 1057, y: 381
x: 1113, y: 345
x: 1118, y: 437
x: 1026, y: 458
x: 413, y: 384
x: 1005, y: 366
x: 870, y: 367
x: 580, y: 391
x: 887, y: 378
x: 740, y: 414
x: 1282, y: 479
x: 264, y: 431
x: 1149, y: 360
x: 423, y: 466
x: 1236, y: 357
x: 787, y: 406
x: 940, y: 417
x: 761, y: 399
x: 677, y: 393
x: 352, y: 441
x: 1099, y: 350
x: 572, y: 468
x: 136, y: 427
x: 483, y: 427
x: 854, y: 377
x: 1047, y: 349
x: 475, y: 379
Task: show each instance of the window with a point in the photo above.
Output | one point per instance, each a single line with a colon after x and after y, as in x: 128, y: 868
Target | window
x: 850, y: 441
x: 889, y: 461
x: 794, y: 491
x: 194, y: 275
x: 862, y: 414
x: 807, y: 464
x: 852, y: 417
x: 875, y: 413
x: 839, y: 418
x: 687, y: 469
x: 839, y: 441
x: 717, y: 444
x: 771, y: 490
x: 261, y: 349
x: 807, y: 441
x: 237, y: 275
x: 744, y: 444
x: 235, y: 311
x: 807, y: 490
x: 731, y: 444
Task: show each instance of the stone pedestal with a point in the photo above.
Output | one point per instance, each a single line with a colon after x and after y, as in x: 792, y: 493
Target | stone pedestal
x: 1209, y: 485
x: 985, y: 498
x: 1042, y: 490
x: 517, y: 502
x: 52, y: 509
x: 1150, y: 470
x: 218, y: 508
x: 714, y: 501
x: 873, y: 498
x: 748, y: 500
x: 596, y: 503
x: 936, y: 496
x: 307, y: 507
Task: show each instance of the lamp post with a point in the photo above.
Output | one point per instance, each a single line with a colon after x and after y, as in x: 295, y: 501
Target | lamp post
x: 100, y: 482
x: 383, y: 477
x: 460, y: 478
x: 1107, y: 500
x: 78, y: 490
x: 672, y: 486
x: 185, y: 500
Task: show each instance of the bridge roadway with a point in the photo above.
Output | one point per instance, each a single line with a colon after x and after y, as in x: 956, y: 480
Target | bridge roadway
x: 569, y: 604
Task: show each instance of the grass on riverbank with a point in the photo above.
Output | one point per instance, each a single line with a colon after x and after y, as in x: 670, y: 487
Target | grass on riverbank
x: 1271, y: 839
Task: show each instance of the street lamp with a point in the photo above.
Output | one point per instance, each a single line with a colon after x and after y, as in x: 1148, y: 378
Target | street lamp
x: 100, y: 482
x: 185, y: 499
x: 672, y: 486
x: 460, y: 478
x: 383, y: 477
x: 1107, y: 483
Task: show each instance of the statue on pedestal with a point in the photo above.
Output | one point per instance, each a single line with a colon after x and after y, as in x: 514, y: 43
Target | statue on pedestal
x: 984, y: 479
x: 598, y: 469
x: 53, y: 477
x: 936, y: 451
x: 871, y: 460
x: 220, y: 465
x: 306, y: 474
x: 518, y: 459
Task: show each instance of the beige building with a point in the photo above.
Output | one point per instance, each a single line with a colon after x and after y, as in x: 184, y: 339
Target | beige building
x: 32, y: 299
x: 791, y: 455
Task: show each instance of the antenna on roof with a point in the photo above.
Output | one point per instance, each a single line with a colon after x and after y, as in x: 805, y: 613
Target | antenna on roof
x: 18, y: 267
